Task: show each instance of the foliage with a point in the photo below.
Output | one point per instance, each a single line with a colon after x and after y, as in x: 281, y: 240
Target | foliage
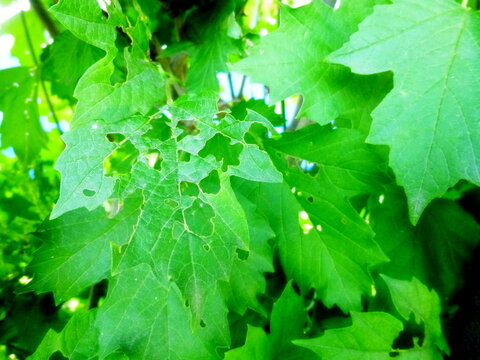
x: 167, y: 222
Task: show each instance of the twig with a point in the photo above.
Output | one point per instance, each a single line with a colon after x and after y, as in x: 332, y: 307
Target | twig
x: 230, y: 84
x: 242, y: 85
x: 44, y: 17
x: 42, y: 83
x: 296, y: 120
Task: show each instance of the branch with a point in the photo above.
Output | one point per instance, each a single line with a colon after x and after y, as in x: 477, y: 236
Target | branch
x: 42, y: 83
x: 44, y: 17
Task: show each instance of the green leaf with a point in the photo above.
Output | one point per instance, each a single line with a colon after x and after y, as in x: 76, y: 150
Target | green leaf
x: 85, y: 20
x: 412, y: 298
x: 291, y: 60
x: 213, y: 40
x: 287, y: 323
x: 430, y: 119
x: 341, y: 155
x: 193, y: 252
x: 83, y: 181
x: 188, y: 227
x: 312, y: 255
x: 68, y: 58
x: 434, y: 251
x: 323, y: 243
x: 76, y: 251
x: 247, y: 278
x: 370, y: 337
x: 75, y: 341
x: 145, y: 317
x: 227, y: 142
x: 256, y: 346
x: 20, y: 127
x: 36, y: 32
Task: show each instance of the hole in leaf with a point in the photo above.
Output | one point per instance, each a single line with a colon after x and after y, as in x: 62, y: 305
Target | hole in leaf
x: 206, y: 247
x: 172, y: 204
x: 125, y: 39
x: 310, y: 199
x: 183, y: 156
x: 57, y: 355
x: 198, y: 218
x: 154, y: 159
x: 120, y: 162
x: 202, y: 324
x: 239, y: 111
x: 188, y: 188
x: 88, y: 192
x: 120, y: 70
x: 242, y: 254
x: 296, y: 288
x: 211, y: 184
x: 115, y: 137
x: 112, y: 207
x: 187, y: 304
x: 220, y: 147
x: 256, y: 131
x: 412, y: 334
x: 119, y: 74
x: 160, y: 129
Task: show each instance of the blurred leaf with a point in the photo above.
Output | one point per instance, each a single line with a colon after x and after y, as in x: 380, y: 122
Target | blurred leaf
x: 68, y: 58
x: 20, y: 127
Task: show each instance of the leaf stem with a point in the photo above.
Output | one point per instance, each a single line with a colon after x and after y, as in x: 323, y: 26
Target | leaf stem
x: 44, y: 17
x: 296, y: 120
x: 35, y: 61
x: 465, y: 3
x: 230, y: 84
x: 91, y: 294
x: 242, y: 85
x: 284, y: 115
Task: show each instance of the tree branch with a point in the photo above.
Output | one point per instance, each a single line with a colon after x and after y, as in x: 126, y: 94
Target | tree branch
x: 44, y: 17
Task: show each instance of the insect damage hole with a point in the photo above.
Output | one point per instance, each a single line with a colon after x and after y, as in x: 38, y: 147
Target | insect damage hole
x: 88, y: 192
x: 242, y: 254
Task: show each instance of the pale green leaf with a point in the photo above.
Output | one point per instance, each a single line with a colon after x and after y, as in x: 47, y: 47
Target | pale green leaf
x: 68, y: 59
x: 85, y: 20
x: 20, y: 127
x: 17, y: 28
x: 430, y: 119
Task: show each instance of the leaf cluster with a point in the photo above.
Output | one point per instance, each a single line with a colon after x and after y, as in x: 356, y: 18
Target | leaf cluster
x: 170, y: 222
